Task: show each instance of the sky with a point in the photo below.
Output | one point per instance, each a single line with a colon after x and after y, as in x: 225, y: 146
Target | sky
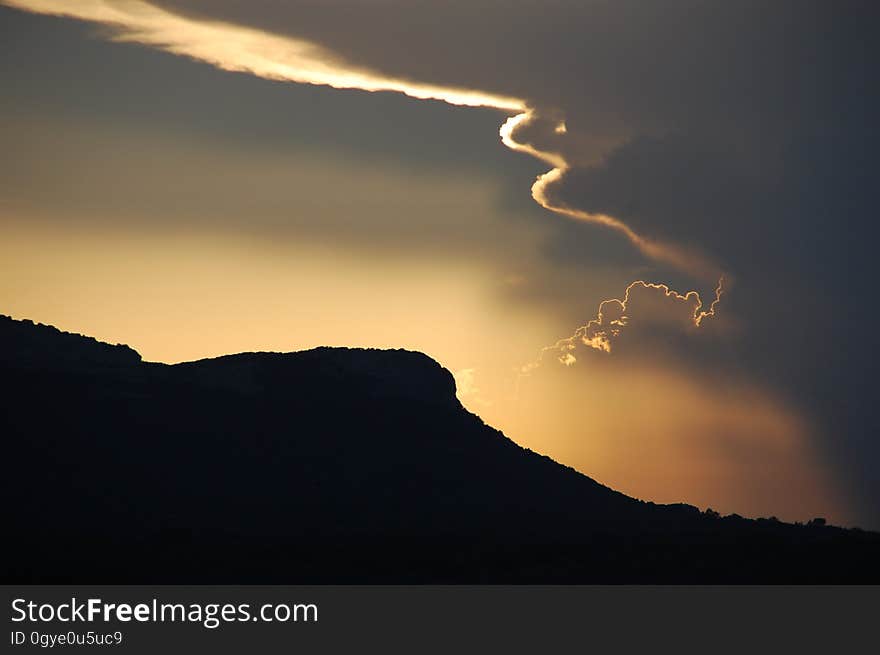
x: 637, y: 233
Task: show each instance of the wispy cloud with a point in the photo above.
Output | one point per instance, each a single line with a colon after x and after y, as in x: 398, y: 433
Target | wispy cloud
x: 271, y: 56
x: 247, y: 50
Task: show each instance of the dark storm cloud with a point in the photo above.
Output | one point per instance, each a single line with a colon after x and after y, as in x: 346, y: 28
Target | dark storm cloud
x: 734, y: 92
x: 625, y: 63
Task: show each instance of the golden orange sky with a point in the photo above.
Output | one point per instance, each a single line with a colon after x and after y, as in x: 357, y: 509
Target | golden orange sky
x: 649, y: 429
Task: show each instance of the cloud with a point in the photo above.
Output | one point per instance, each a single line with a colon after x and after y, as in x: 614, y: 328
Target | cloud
x: 467, y: 390
x: 247, y: 50
x: 683, y: 259
x: 279, y: 57
x: 646, y: 307
x: 739, y: 83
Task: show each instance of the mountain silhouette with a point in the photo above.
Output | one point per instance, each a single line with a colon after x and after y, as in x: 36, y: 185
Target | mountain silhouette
x: 331, y: 465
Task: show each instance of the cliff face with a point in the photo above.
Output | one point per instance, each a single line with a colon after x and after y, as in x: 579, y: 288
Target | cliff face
x: 400, y: 375
x: 327, y: 465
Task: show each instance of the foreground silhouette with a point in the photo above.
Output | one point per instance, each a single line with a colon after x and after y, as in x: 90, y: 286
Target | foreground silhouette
x: 331, y: 465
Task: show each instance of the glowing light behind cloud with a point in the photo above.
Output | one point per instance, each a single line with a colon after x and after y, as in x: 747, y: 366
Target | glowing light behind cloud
x: 611, y: 319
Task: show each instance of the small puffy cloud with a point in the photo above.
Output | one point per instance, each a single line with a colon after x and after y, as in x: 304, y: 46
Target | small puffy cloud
x: 646, y: 314
x: 467, y: 390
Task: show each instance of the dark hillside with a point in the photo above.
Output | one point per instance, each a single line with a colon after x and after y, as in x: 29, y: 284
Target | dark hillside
x: 329, y: 465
